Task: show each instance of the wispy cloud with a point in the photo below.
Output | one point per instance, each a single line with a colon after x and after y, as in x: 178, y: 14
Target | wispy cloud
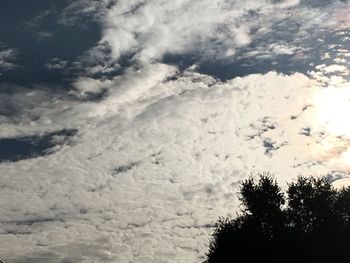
x: 38, y: 20
x: 7, y: 57
x: 57, y: 63
x: 36, y: 24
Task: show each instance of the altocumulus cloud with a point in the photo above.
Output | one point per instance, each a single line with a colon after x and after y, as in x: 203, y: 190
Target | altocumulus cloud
x: 161, y: 155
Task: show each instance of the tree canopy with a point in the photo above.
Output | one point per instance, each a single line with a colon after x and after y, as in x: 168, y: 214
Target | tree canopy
x: 309, y: 222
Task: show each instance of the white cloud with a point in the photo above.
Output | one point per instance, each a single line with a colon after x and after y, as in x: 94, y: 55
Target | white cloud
x: 161, y: 160
x: 146, y: 31
x: 89, y: 85
x: 78, y: 9
x: 154, y: 28
x: 149, y: 30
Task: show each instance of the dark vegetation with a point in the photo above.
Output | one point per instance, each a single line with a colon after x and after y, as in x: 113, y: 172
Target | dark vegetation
x: 309, y: 222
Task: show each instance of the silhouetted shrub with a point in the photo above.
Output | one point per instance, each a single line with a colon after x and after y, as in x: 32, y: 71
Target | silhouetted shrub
x: 308, y: 223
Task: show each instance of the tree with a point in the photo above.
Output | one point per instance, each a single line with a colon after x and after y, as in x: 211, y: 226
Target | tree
x: 310, y: 222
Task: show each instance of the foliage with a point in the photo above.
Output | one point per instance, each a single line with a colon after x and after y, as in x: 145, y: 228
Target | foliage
x: 310, y: 222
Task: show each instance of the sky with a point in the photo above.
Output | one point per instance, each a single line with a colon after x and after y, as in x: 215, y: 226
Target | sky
x: 126, y: 127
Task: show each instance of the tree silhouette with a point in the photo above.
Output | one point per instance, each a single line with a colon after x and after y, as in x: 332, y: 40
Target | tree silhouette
x: 310, y: 222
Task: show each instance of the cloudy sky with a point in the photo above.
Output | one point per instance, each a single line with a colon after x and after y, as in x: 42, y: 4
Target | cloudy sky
x: 127, y: 126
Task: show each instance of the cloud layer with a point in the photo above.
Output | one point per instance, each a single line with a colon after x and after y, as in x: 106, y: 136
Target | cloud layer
x: 159, y: 151
x: 149, y: 178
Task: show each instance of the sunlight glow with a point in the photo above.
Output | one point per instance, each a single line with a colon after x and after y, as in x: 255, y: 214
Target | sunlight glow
x: 345, y: 157
x: 333, y: 109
